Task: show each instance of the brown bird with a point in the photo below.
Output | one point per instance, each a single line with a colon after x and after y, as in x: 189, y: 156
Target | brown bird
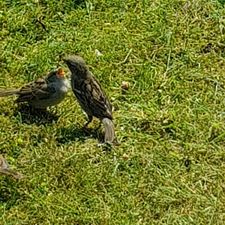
x: 90, y: 95
x: 43, y: 92
x: 6, y: 170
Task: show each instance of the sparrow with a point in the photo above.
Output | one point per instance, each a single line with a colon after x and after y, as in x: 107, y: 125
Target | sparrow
x: 43, y: 92
x: 90, y: 95
x: 6, y: 170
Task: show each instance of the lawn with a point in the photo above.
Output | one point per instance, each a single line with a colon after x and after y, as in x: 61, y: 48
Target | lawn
x: 169, y: 167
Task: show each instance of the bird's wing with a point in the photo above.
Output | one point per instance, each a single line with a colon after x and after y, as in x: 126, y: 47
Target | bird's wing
x: 95, y: 99
x: 36, y: 90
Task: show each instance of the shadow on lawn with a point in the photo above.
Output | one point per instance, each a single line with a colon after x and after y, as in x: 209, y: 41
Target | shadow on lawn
x: 29, y: 115
x: 74, y: 133
x: 9, y: 193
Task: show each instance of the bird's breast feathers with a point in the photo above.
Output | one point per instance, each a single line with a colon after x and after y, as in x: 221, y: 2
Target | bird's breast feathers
x: 64, y: 86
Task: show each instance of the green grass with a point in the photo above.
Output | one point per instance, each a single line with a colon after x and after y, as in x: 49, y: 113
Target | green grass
x: 170, y: 165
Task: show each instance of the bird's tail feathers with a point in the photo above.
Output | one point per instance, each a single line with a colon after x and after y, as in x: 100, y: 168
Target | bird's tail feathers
x: 109, y: 130
x: 8, y: 92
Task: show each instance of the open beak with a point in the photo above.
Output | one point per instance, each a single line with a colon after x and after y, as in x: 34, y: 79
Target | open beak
x: 60, y: 73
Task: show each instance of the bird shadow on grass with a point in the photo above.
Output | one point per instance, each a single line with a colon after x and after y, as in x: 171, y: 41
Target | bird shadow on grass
x: 74, y: 133
x: 27, y: 114
x: 9, y: 194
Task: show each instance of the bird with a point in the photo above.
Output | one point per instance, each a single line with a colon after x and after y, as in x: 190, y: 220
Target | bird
x: 43, y: 92
x: 90, y: 95
x: 6, y: 170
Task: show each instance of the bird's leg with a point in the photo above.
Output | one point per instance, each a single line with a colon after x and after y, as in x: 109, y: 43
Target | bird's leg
x: 89, y: 120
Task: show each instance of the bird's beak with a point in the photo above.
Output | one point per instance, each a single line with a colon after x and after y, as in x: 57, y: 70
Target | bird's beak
x: 60, y: 73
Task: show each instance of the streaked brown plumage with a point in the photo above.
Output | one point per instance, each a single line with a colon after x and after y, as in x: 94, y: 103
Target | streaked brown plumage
x: 43, y: 92
x: 6, y: 170
x: 90, y: 95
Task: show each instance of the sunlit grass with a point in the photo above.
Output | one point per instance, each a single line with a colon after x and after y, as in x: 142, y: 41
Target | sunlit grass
x: 169, y: 167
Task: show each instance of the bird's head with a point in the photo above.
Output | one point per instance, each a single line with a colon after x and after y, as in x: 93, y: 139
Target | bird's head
x: 55, y: 75
x: 76, y: 65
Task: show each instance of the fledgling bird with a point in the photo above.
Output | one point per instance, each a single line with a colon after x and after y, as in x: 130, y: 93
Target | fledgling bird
x: 43, y: 92
x: 90, y: 95
x: 6, y: 170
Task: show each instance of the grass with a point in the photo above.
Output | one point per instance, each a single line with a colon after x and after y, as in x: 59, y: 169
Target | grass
x: 169, y: 167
